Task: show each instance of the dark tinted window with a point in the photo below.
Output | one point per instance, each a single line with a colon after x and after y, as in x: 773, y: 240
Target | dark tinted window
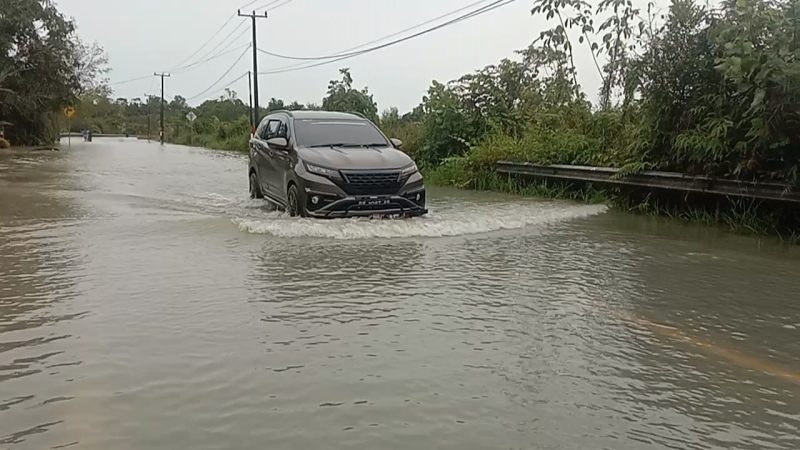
x: 271, y: 130
x: 275, y: 127
x: 310, y: 132
x: 261, y: 129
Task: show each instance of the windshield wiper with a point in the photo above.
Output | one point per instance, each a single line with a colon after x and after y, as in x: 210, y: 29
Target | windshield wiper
x: 349, y: 145
x: 335, y: 145
x: 326, y: 145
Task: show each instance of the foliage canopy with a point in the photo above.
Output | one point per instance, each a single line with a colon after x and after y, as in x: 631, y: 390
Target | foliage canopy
x: 43, y: 68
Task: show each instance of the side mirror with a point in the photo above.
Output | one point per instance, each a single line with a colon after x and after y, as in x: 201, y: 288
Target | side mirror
x: 279, y: 143
x: 397, y: 143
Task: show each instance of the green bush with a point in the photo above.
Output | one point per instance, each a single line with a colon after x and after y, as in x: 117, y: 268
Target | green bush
x: 707, y: 92
x: 454, y: 171
x: 408, y: 132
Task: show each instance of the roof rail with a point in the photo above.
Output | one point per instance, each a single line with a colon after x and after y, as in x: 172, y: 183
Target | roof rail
x: 355, y: 113
x: 284, y: 111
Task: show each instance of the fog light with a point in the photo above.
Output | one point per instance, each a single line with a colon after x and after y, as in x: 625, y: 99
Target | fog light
x: 419, y: 196
x: 315, y: 200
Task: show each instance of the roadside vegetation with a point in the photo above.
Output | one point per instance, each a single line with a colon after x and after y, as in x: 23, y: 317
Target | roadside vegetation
x: 699, y: 91
x: 694, y: 89
x: 44, y: 67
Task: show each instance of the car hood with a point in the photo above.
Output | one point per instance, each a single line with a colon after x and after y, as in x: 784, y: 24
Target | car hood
x: 356, y: 158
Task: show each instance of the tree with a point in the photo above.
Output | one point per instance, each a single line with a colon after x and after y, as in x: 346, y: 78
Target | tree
x: 227, y: 108
x: 390, y: 118
x: 44, y: 68
x: 446, y: 128
x: 295, y: 106
x: 178, y: 106
x: 275, y: 104
x: 91, y: 67
x: 343, y: 97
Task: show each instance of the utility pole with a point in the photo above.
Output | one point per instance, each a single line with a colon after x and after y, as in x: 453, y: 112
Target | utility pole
x: 253, y: 17
x: 147, y: 96
x: 250, y: 97
x: 162, y: 75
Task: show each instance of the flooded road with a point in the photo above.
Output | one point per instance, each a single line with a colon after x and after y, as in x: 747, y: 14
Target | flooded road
x: 146, y: 302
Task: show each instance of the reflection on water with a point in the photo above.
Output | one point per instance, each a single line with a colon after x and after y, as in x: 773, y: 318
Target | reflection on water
x: 145, y: 302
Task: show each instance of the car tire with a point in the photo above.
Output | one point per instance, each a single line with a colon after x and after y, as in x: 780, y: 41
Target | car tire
x: 255, y: 190
x: 294, y: 204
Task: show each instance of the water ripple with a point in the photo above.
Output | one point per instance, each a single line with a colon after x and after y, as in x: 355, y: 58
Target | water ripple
x: 135, y: 314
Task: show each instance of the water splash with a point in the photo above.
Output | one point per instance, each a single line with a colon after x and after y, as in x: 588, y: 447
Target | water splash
x: 468, y: 220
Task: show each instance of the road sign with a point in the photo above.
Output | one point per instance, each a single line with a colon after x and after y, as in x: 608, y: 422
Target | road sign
x: 190, y: 117
x: 69, y: 111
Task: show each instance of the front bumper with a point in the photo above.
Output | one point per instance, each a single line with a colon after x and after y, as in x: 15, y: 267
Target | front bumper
x: 333, y: 202
x: 367, y: 206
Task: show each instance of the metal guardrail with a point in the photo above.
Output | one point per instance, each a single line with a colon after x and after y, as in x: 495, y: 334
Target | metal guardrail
x: 656, y: 180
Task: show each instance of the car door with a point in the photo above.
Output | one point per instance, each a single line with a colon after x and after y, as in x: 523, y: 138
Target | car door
x: 264, y: 156
x: 257, y: 152
x: 281, y: 158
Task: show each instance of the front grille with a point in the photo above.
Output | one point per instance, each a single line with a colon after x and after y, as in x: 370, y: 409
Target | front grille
x: 372, y: 183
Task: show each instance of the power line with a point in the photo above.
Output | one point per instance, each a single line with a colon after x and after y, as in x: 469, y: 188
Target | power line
x: 344, y: 52
x: 187, y: 67
x: 278, y: 6
x: 223, y: 75
x: 219, y: 30
x: 492, y: 6
x: 150, y: 87
x: 203, y: 61
x: 235, y: 38
x: 224, y: 40
x: 267, y: 5
x: 130, y: 80
x: 239, y: 26
x: 208, y: 41
x: 227, y: 85
x: 205, y: 58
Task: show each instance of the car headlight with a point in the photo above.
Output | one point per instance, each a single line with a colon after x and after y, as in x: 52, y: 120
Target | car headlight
x: 407, y: 171
x: 319, y: 170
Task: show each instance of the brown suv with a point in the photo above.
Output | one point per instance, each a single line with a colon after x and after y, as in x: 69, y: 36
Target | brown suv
x: 332, y: 164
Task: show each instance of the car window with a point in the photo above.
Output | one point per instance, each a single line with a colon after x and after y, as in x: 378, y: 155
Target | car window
x: 260, y: 130
x: 283, y: 130
x: 271, y: 130
x: 315, y: 132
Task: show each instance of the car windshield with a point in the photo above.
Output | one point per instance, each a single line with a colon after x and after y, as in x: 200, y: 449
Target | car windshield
x: 321, y: 133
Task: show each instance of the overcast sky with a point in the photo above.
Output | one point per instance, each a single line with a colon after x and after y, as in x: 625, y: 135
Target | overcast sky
x: 143, y: 36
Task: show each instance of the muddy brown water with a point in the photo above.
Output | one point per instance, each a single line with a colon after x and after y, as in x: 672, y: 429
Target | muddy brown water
x: 146, y: 302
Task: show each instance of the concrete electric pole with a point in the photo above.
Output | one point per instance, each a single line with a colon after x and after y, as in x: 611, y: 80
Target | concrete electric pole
x: 250, y: 97
x: 253, y: 17
x: 162, y: 75
x: 147, y: 98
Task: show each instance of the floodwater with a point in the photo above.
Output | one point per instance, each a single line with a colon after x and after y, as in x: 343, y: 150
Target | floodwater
x: 147, y: 303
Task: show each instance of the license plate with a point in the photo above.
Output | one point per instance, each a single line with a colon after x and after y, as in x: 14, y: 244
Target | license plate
x: 373, y: 202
